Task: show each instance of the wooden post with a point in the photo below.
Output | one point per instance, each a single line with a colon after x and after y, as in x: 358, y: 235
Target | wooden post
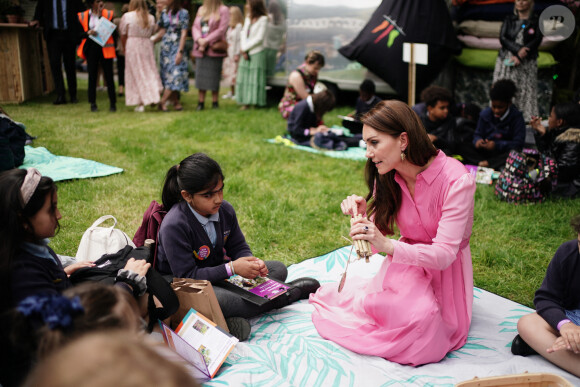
x: 412, y: 76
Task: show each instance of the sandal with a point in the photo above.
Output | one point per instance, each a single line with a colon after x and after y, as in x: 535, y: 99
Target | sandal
x: 178, y: 107
x: 162, y: 107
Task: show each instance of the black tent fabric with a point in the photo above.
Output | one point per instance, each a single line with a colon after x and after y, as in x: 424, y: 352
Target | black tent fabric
x: 379, y: 46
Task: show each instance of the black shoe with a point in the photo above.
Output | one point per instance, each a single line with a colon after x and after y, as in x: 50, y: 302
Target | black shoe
x: 94, y: 107
x: 59, y: 101
x: 199, y: 106
x: 113, y: 109
x: 239, y: 327
x: 74, y: 100
x: 306, y: 285
x: 215, y: 105
x: 521, y: 348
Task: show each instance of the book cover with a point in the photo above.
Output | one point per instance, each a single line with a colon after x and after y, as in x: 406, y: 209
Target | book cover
x: 200, y: 342
x: 482, y: 175
x: 104, y: 31
x: 259, y: 290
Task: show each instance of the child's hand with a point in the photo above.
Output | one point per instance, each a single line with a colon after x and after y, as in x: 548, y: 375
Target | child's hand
x: 247, y: 267
x: 139, y: 266
x: 75, y: 266
x: 536, y: 124
x: 570, y: 333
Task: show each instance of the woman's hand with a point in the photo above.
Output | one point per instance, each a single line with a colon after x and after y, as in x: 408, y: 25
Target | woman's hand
x: 236, y: 58
x: 516, y: 61
x: 523, y: 52
x: 178, y: 57
x: 353, y: 203
x: 249, y: 267
x: 202, y: 44
x: 92, y: 32
x: 75, y: 266
x: 139, y: 266
x: 245, y: 55
x: 366, y: 230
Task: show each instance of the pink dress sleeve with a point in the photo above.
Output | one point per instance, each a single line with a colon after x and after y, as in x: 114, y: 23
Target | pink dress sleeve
x: 456, y: 216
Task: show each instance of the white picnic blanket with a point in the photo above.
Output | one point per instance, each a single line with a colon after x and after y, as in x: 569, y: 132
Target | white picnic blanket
x: 285, y: 349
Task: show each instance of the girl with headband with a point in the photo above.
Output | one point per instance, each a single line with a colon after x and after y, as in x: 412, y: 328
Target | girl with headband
x: 29, y: 213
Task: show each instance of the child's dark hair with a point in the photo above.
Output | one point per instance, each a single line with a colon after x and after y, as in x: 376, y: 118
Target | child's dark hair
x: 432, y: 94
x: 193, y: 174
x: 569, y: 112
x: 575, y: 223
x: 15, y: 227
x: 323, y: 102
x: 368, y: 86
x: 503, y: 90
x: 314, y: 56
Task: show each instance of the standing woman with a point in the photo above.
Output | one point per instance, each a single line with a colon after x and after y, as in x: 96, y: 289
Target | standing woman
x: 274, y: 35
x: 251, y: 80
x: 95, y: 54
x: 520, y: 38
x: 233, y: 37
x: 143, y: 84
x: 209, y: 28
x: 301, y: 82
x: 173, y: 61
x: 417, y: 307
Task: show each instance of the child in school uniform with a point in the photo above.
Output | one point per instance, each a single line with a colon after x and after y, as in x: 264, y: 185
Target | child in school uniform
x: 201, y: 229
x: 554, y: 330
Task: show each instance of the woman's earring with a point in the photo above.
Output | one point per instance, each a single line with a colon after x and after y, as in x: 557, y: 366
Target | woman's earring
x: 403, y: 156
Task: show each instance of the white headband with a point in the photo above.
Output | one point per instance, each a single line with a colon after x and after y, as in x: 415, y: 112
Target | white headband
x: 29, y: 185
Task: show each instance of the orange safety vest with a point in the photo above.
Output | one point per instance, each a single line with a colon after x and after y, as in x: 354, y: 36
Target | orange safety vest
x: 109, y: 48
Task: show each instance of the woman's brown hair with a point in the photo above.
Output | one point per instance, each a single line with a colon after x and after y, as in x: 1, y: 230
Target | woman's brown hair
x: 257, y: 9
x: 393, y: 118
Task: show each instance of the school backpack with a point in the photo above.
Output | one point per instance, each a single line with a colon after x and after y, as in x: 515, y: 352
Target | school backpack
x: 106, y: 268
x: 528, y: 177
x: 12, y: 141
x: 149, y: 228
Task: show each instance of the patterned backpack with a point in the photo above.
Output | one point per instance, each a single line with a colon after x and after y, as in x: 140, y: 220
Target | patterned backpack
x: 528, y: 177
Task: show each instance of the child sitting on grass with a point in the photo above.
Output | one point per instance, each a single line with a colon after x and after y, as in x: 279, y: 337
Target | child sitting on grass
x: 554, y: 330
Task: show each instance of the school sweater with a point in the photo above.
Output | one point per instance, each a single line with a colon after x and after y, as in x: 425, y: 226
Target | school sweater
x: 560, y: 289
x: 31, y: 275
x: 507, y: 133
x: 185, y: 250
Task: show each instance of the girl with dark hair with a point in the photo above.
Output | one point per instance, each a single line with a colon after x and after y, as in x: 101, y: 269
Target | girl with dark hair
x: 301, y: 82
x: 561, y: 141
x: 30, y: 216
x: 417, y: 308
x: 201, y: 230
x: 251, y: 80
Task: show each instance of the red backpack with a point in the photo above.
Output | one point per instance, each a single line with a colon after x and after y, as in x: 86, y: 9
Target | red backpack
x: 149, y: 228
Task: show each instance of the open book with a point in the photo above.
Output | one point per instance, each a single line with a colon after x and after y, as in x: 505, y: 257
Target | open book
x: 259, y: 290
x: 201, y: 342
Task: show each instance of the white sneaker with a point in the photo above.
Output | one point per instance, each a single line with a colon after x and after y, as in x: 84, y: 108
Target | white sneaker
x: 140, y: 109
x: 228, y: 95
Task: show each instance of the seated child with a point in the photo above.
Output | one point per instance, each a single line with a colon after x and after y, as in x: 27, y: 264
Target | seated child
x: 364, y: 103
x: 30, y: 216
x: 440, y: 125
x: 201, y: 230
x: 561, y: 141
x: 305, y: 120
x: 553, y: 331
x: 500, y: 129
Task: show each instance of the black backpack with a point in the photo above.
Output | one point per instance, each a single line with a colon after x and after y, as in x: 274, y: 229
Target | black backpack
x: 12, y: 141
x: 106, y: 268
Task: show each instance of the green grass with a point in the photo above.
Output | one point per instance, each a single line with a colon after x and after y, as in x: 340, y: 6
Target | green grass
x: 287, y: 201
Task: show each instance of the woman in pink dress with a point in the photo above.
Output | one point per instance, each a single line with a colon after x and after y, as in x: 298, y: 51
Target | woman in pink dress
x: 417, y: 307
x: 142, y: 81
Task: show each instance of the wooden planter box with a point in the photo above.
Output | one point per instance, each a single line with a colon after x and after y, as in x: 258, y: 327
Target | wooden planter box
x: 522, y: 380
x: 24, y: 67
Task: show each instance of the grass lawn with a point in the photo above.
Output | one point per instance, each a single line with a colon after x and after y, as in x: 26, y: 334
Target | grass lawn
x: 287, y: 201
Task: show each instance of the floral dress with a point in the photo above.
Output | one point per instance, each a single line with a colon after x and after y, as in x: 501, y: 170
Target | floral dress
x: 290, y: 97
x: 174, y: 77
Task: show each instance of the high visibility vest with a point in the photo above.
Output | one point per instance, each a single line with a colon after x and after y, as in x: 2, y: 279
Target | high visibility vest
x: 109, y: 48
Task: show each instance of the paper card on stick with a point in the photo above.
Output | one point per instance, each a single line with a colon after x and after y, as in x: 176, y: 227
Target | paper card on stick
x: 420, y: 53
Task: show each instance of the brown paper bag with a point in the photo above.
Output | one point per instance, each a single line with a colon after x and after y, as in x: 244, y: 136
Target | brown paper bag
x: 199, y: 295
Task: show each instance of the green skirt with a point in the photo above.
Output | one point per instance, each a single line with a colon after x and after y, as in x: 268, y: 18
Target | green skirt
x: 251, y: 80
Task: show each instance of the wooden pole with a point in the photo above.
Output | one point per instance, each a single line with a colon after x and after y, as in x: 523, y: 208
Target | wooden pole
x: 412, y: 76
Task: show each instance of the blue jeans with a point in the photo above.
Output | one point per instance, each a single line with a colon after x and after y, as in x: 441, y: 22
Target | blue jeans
x: 574, y: 316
